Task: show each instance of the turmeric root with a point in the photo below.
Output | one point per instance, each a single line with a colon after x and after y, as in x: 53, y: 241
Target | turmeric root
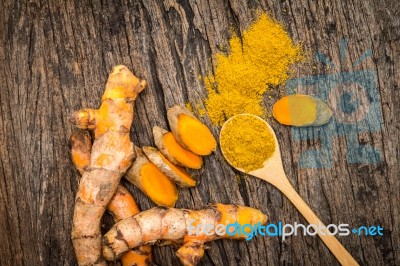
x: 80, y: 145
x: 301, y: 111
x: 112, y: 154
x: 151, y: 181
x: 122, y: 205
x: 175, y: 153
x: 190, y: 132
x: 185, y: 227
x: 175, y: 173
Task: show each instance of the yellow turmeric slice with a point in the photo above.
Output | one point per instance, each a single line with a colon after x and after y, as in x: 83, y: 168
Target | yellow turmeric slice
x: 176, y: 173
x: 175, y: 153
x: 155, y: 185
x: 179, y: 226
x: 190, y: 132
x: 122, y: 205
x: 301, y: 110
x: 151, y: 181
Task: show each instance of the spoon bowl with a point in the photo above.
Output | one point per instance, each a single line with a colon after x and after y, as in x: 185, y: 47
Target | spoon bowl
x: 272, y: 171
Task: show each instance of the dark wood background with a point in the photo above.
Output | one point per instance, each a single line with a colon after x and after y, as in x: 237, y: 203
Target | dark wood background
x: 55, y: 57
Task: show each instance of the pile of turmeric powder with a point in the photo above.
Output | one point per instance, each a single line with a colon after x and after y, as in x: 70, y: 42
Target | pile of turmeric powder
x: 257, y: 61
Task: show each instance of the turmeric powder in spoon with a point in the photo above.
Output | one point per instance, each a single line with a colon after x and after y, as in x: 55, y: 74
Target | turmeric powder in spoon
x: 247, y: 131
x: 247, y: 142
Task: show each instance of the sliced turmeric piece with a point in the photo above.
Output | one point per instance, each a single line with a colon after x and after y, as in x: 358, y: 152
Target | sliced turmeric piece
x: 169, y: 224
x: 122, y: 205
x: 176, y: 173
x: 175, y: 153
x: 301, y: 110
x: 151, y: 181
x: 190, y: 132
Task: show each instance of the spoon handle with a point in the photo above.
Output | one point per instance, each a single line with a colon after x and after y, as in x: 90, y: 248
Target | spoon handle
x: 341, y: 254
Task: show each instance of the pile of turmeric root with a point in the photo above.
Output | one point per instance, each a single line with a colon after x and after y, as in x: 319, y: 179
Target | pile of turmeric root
x: 105, y: 155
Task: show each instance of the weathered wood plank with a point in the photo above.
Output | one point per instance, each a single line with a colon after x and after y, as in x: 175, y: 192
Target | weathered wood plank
x: 55, y: 56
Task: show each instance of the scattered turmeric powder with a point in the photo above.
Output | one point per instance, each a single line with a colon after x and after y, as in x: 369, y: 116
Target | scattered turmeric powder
x: 247, y: 142
x: 256, y: 62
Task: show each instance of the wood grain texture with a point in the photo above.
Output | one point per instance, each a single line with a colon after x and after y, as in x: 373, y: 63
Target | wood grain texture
x: 55, y: 57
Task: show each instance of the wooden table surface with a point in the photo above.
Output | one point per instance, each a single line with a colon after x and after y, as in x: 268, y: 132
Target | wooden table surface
x: 55, y: 57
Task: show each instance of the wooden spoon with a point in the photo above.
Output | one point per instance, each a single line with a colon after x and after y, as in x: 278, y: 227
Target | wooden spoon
x: 272, y: 172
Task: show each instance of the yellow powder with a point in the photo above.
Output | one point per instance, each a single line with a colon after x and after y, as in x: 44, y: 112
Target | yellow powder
x: 189, y: 106
x: 247, y: 142
x: 243, y: 76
